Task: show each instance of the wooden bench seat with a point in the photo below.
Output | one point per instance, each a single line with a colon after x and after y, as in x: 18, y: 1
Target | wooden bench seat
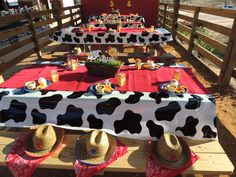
x: 213, y: 160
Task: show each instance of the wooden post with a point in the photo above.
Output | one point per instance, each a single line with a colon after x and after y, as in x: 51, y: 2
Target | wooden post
x: 193, y: 31
x: 71, y: 17
x: 229, y: 61
x: 56, y: 5
x: 175, y: 18
x: 34, y: 37
x: 164, y: 19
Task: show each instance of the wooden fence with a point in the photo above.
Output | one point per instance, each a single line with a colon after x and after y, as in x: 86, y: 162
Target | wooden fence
x: 186, y: 28
x: 59, y: 17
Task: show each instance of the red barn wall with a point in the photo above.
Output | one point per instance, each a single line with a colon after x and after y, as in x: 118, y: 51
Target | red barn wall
x: 146, y: 8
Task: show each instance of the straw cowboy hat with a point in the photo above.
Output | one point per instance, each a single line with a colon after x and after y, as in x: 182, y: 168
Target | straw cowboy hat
x: 95, y: 147
x: 44, y: 141
x: 171, y: 152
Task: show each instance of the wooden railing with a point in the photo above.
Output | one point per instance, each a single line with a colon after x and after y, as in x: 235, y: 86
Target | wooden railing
x: 35, y: 38
x: 171, y: 18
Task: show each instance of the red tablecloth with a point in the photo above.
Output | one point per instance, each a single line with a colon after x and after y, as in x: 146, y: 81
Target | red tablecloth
x: 104, y: 30
x: 137, y: 80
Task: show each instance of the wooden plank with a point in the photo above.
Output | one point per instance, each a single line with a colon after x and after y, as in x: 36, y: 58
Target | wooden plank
x: 34, y: 37
x: 175, y: 18
x: 182, y: 37
x: 218, y: 11
x: 215, y: 27
x: 77, y: 19
x: 187, y: 18
x: 41, y: 13
x: 200, y: 61
x: 15, y: 46
x: 193, y: 30
x: 11, y: 18
x: 210, y: 162
x: 184, y: 28
x: 214, y: 59
x: 5, y: 66
x: 65, y: 16
x: 45, y: 33
x: 168, y: 27
x: 44, y: 44
x: 229, y: 62
x: 13, y: 32
x: 164, y: 16
x: 44, y: 22
x: 187, y: 7
x: 214, y: 43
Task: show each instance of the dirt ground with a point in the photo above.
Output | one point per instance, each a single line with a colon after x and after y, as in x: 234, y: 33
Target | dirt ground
x: 225, y: 106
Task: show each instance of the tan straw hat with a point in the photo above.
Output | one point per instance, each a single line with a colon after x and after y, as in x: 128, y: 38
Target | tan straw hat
x: 171, y: 152
x: 44, y: 140
x: 95, y: 147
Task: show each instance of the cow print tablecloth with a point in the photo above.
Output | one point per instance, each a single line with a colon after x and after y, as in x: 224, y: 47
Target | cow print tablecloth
x: 123, y: 18
x: 135, y: 115
x: 66, y: 35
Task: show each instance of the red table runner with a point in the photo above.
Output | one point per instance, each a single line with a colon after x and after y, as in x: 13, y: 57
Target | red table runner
x: 136, y: 80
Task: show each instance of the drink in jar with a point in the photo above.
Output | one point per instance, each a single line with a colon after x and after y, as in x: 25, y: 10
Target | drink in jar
x: 121, y: 79
x: 177, y: 75
x: 54, y: 76
x: 138, y: 63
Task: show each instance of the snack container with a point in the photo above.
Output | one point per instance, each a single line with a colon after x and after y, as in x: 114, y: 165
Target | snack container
x: 73, y: 64
x: 31, y: 85
x: 121, y: 79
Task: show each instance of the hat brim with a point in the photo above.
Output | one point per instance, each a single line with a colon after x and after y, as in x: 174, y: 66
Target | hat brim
x: 183, y: 162
x: 85, y: 158
x: 32, y: 152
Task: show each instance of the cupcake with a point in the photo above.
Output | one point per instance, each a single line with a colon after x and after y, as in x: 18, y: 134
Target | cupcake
x: 31, y: 85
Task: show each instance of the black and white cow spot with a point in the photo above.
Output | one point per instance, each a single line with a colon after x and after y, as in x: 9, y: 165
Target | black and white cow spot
x: 16, y: 112
x: 158, y: 96
x: 189, y: 129
x: 98, y: 40
x: 212, y: 99
x: 55, y: 38
x: 38, y: 117
x: 108, y: 107
x: 89, y: 38
x: 3, y: 93
x: 120, y: 40
x: 50, y: 102
x: 132, y: 38
x: 122, y: 34
x: 67, y: 38
x: 133, y: 99
x: 79, y: 34
x: 215, y: 122
x: 154, y: 38
x: 168, y: 112
x: 145, y: 33
x: 45, y: 92
x: 167, y: 34
x: 141, y: 39
x: 72, y: 117
x: 110, y: 38
x: 94, y: 122
x: 155, y: 130
x: 131, y: 122
x: 75, y: 95
x: 163, y: 39
x: 101, y: 34
x: 58, y: 33
x: 76, y: 39
x: 194, y: 102
x: 208, y: 133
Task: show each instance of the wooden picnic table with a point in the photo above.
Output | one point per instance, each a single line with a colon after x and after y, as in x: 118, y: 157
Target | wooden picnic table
x: 212, y: 161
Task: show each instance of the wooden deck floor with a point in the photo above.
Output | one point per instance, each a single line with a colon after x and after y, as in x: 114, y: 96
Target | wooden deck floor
x: 225, y: 98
